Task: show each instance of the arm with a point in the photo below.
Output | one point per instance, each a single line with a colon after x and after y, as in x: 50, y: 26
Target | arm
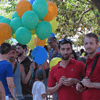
x: 10, y: 86
x: 2, y: 91
x: 52, y: 90
x: 86, y: 82
x: 25, y: 78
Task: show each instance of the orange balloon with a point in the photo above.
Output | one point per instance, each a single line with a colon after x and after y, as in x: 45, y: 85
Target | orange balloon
x: 22, y: 7
x: 38, y: 42
x: 5, y: 31
x: 2, y: 39
x: 52, y: 12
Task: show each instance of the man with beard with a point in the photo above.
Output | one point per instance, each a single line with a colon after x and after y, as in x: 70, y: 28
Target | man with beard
x: 66, y: 73
x: 92, y: 81
x: 26, y: 68
x: 17, y: 74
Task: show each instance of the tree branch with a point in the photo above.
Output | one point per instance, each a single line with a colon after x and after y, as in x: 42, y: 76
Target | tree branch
x: 82, y: 17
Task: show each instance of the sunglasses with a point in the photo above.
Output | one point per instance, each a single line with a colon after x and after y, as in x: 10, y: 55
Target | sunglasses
x: 65, y: 39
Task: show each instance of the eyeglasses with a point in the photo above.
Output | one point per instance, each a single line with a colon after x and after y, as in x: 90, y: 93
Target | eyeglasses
x: 64, y: 39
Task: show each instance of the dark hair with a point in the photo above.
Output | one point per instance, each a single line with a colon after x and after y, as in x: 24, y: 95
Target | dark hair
x: 5, y: 48
x: 92, y: 35
x: 64, y: 41
x: 23, y: 46
x: 75, y: 56
x: 41, y: 77
x: 13, y: 47
x: 46, y: 47
x: 81, y: 51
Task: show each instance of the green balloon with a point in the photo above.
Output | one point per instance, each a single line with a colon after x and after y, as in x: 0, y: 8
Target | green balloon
x: 30, y: 20
x: 23, y: 35
x: 1, y: 17
x: 16, y: 23
x: 5, y: 20
x: 43, y: 30
x: 40, y: 7
x: 15, y: 15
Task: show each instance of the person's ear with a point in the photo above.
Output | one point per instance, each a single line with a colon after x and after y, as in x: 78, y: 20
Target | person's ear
x: 59, y: 50
x: 97, y: 45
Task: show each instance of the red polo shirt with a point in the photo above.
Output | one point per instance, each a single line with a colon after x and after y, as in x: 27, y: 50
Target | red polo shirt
x: 92, y: 93
x: 74, y: 69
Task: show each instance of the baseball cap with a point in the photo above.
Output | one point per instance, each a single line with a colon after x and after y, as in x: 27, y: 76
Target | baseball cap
x: 50, y: 39
x: 40, y: 73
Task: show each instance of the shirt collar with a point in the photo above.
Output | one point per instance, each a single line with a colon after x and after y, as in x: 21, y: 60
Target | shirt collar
x: 88, y: 59
x: 71, y: 61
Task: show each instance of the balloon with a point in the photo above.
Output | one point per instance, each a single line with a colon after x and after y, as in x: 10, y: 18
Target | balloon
x: 31, y: 1
x: 39, y: 55
x: 99, y: 38
x: 16, y: 23
x: 33, y: 31
x: 31, y: 43
x: 40, y: 7
x: 43, y: 30
x: 54, y: 25
x: 23, y: 35
x: 30, y: 20
x: 22, y: 7
x: 52, y: 34
x: 5, y: 20
x: 1, y: 17
x: 54, y: 61
x: 38, y: 42
x: 52, y: 12
x: 15, y: 15
x: 5, y: 31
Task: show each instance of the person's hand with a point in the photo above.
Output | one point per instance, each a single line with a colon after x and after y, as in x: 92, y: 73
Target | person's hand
x: 32, y: 65
x: 86, y: 82
x: 61, y: 80
x: 79, y: 87
x: 68, y: 81
x: 54, y: 52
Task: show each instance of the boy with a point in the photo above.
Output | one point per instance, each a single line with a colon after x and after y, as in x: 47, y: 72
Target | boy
x: 38, y: 89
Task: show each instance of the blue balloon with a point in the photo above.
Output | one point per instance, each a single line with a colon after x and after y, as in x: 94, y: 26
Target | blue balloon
x: 39, y: 55
x: 52, y: 34
x: 31, y: 1
x: 99, y: 38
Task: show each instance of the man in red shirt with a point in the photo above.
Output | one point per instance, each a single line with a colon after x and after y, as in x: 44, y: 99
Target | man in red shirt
x: 66, y: 74
x: 93, y: 82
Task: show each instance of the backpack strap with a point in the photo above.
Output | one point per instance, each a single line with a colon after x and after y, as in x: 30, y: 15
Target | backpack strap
x: 94, y: 64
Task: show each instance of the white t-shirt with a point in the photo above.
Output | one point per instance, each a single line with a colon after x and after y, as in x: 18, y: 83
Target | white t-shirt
x: 37, y: 90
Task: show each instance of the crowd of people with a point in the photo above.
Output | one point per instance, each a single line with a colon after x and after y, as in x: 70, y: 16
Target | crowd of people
x: 75, y: 77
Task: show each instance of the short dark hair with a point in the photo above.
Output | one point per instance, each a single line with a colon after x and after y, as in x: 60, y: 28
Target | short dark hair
x: 5, y: 48
x: 64, y: 41
x: 23, y: 46
x: 40, y: 74
x: 92, y: 35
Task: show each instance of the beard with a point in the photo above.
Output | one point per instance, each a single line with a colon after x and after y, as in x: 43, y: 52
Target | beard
x: 65, y: 58
x: 20, y: 54
x: 11, y: 59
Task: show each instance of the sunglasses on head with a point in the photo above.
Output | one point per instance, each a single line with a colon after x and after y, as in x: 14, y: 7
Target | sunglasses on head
x: 64, y: 39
